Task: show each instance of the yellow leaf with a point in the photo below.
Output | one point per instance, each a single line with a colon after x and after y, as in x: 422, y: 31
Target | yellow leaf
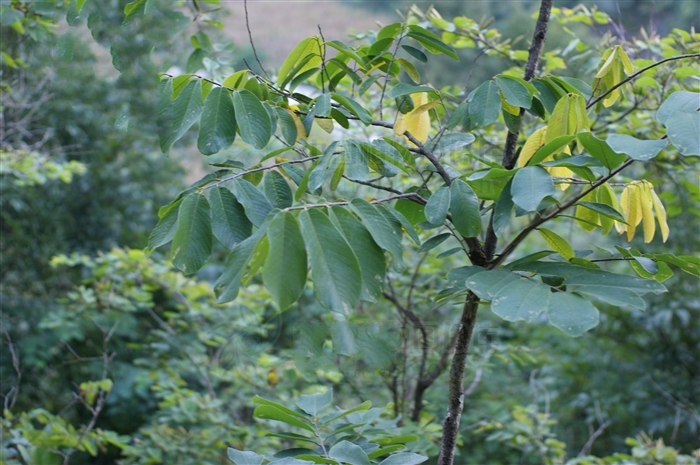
x: 626, y: 63
x: 589, y: 218
x: 568, y: 117
x: 400, y: 126
x: 301, y: 130
x: 660, y: 214
x: 325, y: 123
x: 418, y: 119
x: 532, y: 145
x: 631, y: 208
x: 647, y: 215
x: 512, y: 109
x: 561, y: 172
x: 608, y: 59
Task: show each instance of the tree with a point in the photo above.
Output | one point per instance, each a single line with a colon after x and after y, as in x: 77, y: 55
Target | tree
x: 417, y: 183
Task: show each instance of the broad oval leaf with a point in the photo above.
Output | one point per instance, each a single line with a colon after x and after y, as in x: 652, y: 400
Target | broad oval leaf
x: 464, y: 208
x: 684, y: 131
x: 487, y: 284
x: 557, y: 243
x: 515, y: 92
x: 244, y: 457
x: 284, y: 274
x: 522, y: 299
x: 217, y: 127
x: 193, y: 238
x: 277, y: 190
x: 252, y: 119
x: 438, y: 205
x: 184, y: 111
x: 369, y: 255
x: 334, y: 267
x: 683, y: 101
x: 348, y: 452
x: 385, y: 234
x: 404, y: 458
x: 485, y: 105
x: 313, y: 404
x: 636, y: 149
x: 531, y: 185
x: 571, y: 313
x: 601, y: 150
x: 229, y: 221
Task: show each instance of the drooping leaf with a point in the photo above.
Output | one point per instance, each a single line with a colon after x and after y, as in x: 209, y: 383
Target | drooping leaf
x: 229, y: 282
x: 229, y: 221
x: 334, y: 267
x: 217, y: 129
x: 255, y: 203
x: 353, y: 107
x: 285, y: 270
x: 571, y: 313
x: 277, y: 190
x: 252, y: 119
x: 531, y: 185
x: 184, y: 111
x: 369, y: 255
x: 438, y: 205
x: 193, y: 238
x: 166, y: 227
x: 485, y: 105
x: 386, y: 235
x: 503, y: 209
x: 309, y: 50
x: 464, y: 208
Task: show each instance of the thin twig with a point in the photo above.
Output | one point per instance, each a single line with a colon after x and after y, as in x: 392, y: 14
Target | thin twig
x: 250, y: 38
x: 15, y: 364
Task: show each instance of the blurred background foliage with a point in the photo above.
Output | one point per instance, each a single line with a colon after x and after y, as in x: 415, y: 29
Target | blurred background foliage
x: 82, y: 178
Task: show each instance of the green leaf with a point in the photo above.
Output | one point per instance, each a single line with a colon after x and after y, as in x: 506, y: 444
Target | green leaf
x: 292, y: 436
x: 360, y: 408
x: 614, y: 288
x: 636, y: 149
x: 438, y: 205
x: 255, y: 203
x: 309, y: 50
x: 601, y: 150
x: 166, y: 227
x: 385, y: 234
x: 406, y: 89
x: 193, y: 239
x: 683, y: 131
x: 464, y: 208
x: 415, y: 53
x: 395, y: 216
x: 253, y: 120
x: 287, y: 125
x: 244, y: 458
x: 452, y: 141
x: 682, y: 262
x: 334, y: 267
x: 531, y: 185
x: 557, y: 243
x: 229, y: 222
x: 571, y: 313
x: 387, y: 154
x: 322, y: 108
x: 341, y: 47
x: 277, y: 190
x: 514, y: 91
x: 683, y: 101
x: 348, y: 452
x: 315, y: 403
x: 489, y: 184
x: 401, y: 439
x: 268, y: 412
x: 549, y: 148
x: 185, y: 111
x: 522, y: 299
x: 410, y: 70
x: 353, y: 107
x: 404, y: 458
x: 431, y: 42
x: 605, y: 210
x: 262, y: 401
x: 217, y: 127
x: 433, y: 242
x: 285, y: 270
x: 503, y: 209
x: 485, y: 105
x: 229, y: 282
x: 488, y: 283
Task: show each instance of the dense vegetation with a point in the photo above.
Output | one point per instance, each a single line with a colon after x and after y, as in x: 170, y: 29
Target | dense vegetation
x: 116, y: 354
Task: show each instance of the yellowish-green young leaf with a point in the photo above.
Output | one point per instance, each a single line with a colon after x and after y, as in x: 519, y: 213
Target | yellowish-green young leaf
x: 237, y: 80
x: 645, y: 200
x: 585, y: 217
x: 606, y: 196
x: 512, y: 109
x: 568, y: 117
x: 532, y: 145
x: 308, y: 46
x: 557, y: 243
x: 660, y: 214
x: 301, y: 130
x: 615, y: 64
x: 607, y: 62
x: 631, y: 207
